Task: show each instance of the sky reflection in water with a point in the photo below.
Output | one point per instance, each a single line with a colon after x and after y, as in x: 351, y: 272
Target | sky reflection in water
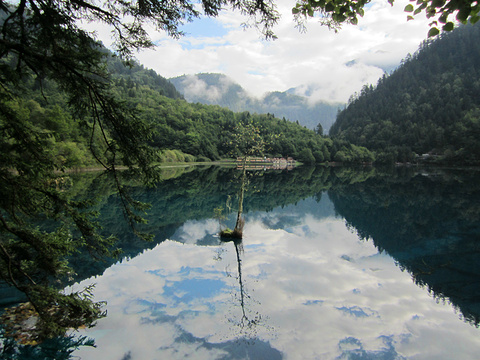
x: 313, y: 291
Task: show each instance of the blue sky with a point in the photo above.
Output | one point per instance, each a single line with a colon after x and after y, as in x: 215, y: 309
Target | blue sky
x: 331, y: 66
x: 204, y: 27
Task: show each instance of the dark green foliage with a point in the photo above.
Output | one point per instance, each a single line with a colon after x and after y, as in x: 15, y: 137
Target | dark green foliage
x: 130, y: 77
x: 334, y: 13
x: 442, y: 12
x: 429, y: 105
x: 206, y: 131
x: 58, y: 348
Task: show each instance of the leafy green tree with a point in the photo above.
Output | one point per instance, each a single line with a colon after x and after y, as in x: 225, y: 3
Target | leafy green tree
x: 246, y: 141
x: 442, y: 12
x: 306, y: 156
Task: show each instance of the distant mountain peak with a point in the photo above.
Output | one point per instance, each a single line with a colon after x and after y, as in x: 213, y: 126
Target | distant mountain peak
x: 219, y: 89
x: 208, y: 88
x: 351, y: 63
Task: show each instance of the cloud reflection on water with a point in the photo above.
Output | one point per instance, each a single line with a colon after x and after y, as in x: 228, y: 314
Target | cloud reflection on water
x: 322, y: 294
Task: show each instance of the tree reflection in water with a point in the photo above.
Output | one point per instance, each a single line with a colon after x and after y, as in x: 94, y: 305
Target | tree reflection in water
x: 60, y: 348
x: 249, y: 320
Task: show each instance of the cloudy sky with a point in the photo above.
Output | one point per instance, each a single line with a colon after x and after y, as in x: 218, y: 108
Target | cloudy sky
x: 331, y: 65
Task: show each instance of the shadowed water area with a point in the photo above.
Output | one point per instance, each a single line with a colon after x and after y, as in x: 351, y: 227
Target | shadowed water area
x: 335, y: 263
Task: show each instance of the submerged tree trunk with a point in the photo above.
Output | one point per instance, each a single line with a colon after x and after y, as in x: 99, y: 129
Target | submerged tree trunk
x: 237, y: 232
x: 240, y: 222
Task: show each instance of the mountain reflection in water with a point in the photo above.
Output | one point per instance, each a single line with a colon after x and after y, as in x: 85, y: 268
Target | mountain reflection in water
x: 326, y: 270
x: 429, y: 224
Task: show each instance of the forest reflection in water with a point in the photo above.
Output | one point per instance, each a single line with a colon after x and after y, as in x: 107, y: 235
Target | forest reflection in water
x: 326, y: 270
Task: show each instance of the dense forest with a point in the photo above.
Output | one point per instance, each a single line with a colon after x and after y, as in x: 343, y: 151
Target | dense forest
x: 182, y: 131
x: 427, y: 109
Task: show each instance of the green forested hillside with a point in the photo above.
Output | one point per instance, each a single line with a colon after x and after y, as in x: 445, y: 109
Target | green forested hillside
x: 205, y: 131
x: 69, y: 136
x: 182, y: 131
x: 429, y: 105
x: 135, y: 76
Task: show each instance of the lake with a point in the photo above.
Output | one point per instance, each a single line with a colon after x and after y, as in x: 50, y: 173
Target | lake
x: 335, y: 263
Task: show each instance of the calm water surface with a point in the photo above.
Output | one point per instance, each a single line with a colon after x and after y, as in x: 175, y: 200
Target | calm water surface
x: 334, y: 264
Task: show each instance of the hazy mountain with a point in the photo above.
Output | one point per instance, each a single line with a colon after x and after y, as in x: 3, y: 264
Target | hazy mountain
x: 218, y: 89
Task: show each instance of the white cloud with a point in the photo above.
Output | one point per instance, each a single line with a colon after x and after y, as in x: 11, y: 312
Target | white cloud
x: 192, y: 230
x: 194, y: 87
x: 317, y: 58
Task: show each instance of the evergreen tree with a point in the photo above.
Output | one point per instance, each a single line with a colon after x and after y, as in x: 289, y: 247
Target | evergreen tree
x: 41, y: 44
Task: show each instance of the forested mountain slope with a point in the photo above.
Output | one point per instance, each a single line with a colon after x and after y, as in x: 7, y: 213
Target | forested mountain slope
x: 429, y: 105
x: 207, y: 131
x: 136, y: 75
x: 69, y: 136
x: 218, y: 89
x: 181, y: 131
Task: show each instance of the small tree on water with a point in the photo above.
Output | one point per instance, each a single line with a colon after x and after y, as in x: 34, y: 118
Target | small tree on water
x: 245, y: 141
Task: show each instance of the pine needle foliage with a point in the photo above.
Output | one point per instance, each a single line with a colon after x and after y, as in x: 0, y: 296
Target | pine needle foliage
x: 42, y: 43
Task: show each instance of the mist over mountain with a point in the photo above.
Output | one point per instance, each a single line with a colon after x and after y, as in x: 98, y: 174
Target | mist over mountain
x: 218, y: 89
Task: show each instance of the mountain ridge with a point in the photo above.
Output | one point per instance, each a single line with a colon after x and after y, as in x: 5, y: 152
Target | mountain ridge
x: 219, y: 89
